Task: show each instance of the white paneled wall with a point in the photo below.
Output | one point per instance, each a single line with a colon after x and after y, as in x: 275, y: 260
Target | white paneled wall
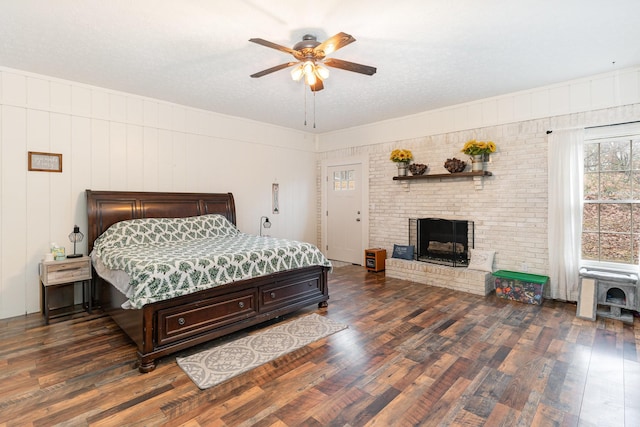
x: 117, y: 141
x: 576, y: 96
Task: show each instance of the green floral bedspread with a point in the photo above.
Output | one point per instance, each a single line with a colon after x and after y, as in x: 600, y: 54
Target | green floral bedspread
x: 168, y: 257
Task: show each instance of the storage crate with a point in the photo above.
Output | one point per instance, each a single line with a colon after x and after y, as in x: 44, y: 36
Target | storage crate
x: 522, y: 287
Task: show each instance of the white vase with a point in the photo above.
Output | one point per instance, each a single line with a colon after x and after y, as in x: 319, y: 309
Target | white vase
x: 477, y: 163
x: 402, y: 168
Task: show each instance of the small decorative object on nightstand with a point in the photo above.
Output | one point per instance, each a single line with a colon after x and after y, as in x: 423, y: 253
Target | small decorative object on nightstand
x: 59, y: 275
x: 75, y: 236
x: 374, y: 259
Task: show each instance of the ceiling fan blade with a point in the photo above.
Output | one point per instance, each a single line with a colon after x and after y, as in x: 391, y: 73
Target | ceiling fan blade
x: 332, y: 44
x: 317, y: 86
x: 272, y: 45
x: 350, y: 66
x: 273, y: 69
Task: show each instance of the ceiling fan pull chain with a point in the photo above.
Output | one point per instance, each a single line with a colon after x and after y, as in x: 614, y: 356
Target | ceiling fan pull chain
x: 305, y: 105
x: 314, y: 110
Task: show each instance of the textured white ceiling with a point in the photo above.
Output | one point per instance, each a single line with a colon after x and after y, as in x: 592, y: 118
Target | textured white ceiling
x: 429, y: 53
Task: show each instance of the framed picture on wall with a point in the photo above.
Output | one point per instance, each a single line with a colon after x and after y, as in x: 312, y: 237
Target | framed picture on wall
x: 45, y: 162
x: 275, y: 195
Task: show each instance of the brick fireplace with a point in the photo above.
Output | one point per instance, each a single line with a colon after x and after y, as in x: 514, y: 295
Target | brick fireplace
x: 442, y: 241
x: 459, y: 279
x: 441, y: 248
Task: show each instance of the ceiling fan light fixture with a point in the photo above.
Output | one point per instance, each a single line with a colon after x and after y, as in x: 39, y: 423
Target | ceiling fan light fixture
x: 322, y: 72
x: 297, y: 72
x: 308, y: 67
x: 309, y: 72
x: 310, y: 78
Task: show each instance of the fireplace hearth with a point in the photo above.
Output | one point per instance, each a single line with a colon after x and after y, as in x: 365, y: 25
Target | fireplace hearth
x: 441, y: 241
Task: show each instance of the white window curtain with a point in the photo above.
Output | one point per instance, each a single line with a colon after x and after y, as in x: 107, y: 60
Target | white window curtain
x: 565, y: 168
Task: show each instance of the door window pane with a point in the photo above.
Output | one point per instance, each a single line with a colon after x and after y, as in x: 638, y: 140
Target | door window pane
x: 344, y: 180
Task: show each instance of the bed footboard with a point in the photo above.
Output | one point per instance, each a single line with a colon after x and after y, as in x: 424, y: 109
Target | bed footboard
x: 166, y: 327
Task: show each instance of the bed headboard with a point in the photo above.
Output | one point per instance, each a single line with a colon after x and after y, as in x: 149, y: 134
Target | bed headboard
x: 105, y: 208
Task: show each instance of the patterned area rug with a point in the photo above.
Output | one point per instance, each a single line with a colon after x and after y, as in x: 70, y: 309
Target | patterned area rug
x: 218, y: 364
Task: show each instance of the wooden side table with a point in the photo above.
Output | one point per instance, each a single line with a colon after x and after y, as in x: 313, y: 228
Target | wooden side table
x: 56, y: 275
x: 374, y: 259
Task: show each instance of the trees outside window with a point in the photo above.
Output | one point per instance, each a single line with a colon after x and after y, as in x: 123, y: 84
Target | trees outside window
x: 611, y: 213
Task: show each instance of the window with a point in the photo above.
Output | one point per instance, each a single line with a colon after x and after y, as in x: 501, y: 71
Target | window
x: 611, y: 212
x: 344, y: 180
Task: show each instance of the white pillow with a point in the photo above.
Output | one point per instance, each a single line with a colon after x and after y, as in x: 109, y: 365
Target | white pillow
x: 481, y: 260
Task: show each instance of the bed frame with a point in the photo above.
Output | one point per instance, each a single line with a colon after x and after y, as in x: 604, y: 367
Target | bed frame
x: 165, y: 327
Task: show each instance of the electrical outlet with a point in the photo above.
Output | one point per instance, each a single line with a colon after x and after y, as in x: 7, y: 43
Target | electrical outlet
x: 524, y: 267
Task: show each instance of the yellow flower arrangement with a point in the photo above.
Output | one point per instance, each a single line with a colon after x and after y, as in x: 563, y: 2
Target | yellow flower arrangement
x: 401, y: 155
x: 474, y: 148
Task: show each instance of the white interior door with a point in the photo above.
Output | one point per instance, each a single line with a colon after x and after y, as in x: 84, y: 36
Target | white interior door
x: 344, y: 213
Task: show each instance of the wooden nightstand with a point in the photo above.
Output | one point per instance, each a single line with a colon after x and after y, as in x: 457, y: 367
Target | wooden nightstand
x: 58, y: 275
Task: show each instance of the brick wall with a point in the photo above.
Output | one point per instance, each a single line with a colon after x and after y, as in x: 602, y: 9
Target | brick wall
x: 460, y: 279
x: 509, y: 209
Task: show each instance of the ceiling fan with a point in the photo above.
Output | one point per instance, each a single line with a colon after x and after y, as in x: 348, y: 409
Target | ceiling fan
x: 311, y: 56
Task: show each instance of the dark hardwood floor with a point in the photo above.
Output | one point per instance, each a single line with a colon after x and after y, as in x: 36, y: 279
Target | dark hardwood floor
x: 412, y: 355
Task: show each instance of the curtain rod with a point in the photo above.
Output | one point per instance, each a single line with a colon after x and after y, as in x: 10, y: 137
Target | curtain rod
x: 605, y: 126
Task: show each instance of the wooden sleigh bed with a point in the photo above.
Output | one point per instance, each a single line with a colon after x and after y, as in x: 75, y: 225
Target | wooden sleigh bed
x: 164, y: 327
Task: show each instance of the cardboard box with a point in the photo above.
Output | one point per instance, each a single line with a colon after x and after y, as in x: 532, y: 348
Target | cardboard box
x: 522, y: 287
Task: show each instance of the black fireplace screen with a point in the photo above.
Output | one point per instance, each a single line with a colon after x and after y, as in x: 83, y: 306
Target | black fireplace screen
x: 441, y: 241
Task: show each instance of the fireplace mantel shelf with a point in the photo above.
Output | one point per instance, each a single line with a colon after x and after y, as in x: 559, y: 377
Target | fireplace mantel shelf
x: 442, y: 175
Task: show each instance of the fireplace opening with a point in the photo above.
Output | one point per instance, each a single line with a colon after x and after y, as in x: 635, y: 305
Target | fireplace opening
x: 441, y: 241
